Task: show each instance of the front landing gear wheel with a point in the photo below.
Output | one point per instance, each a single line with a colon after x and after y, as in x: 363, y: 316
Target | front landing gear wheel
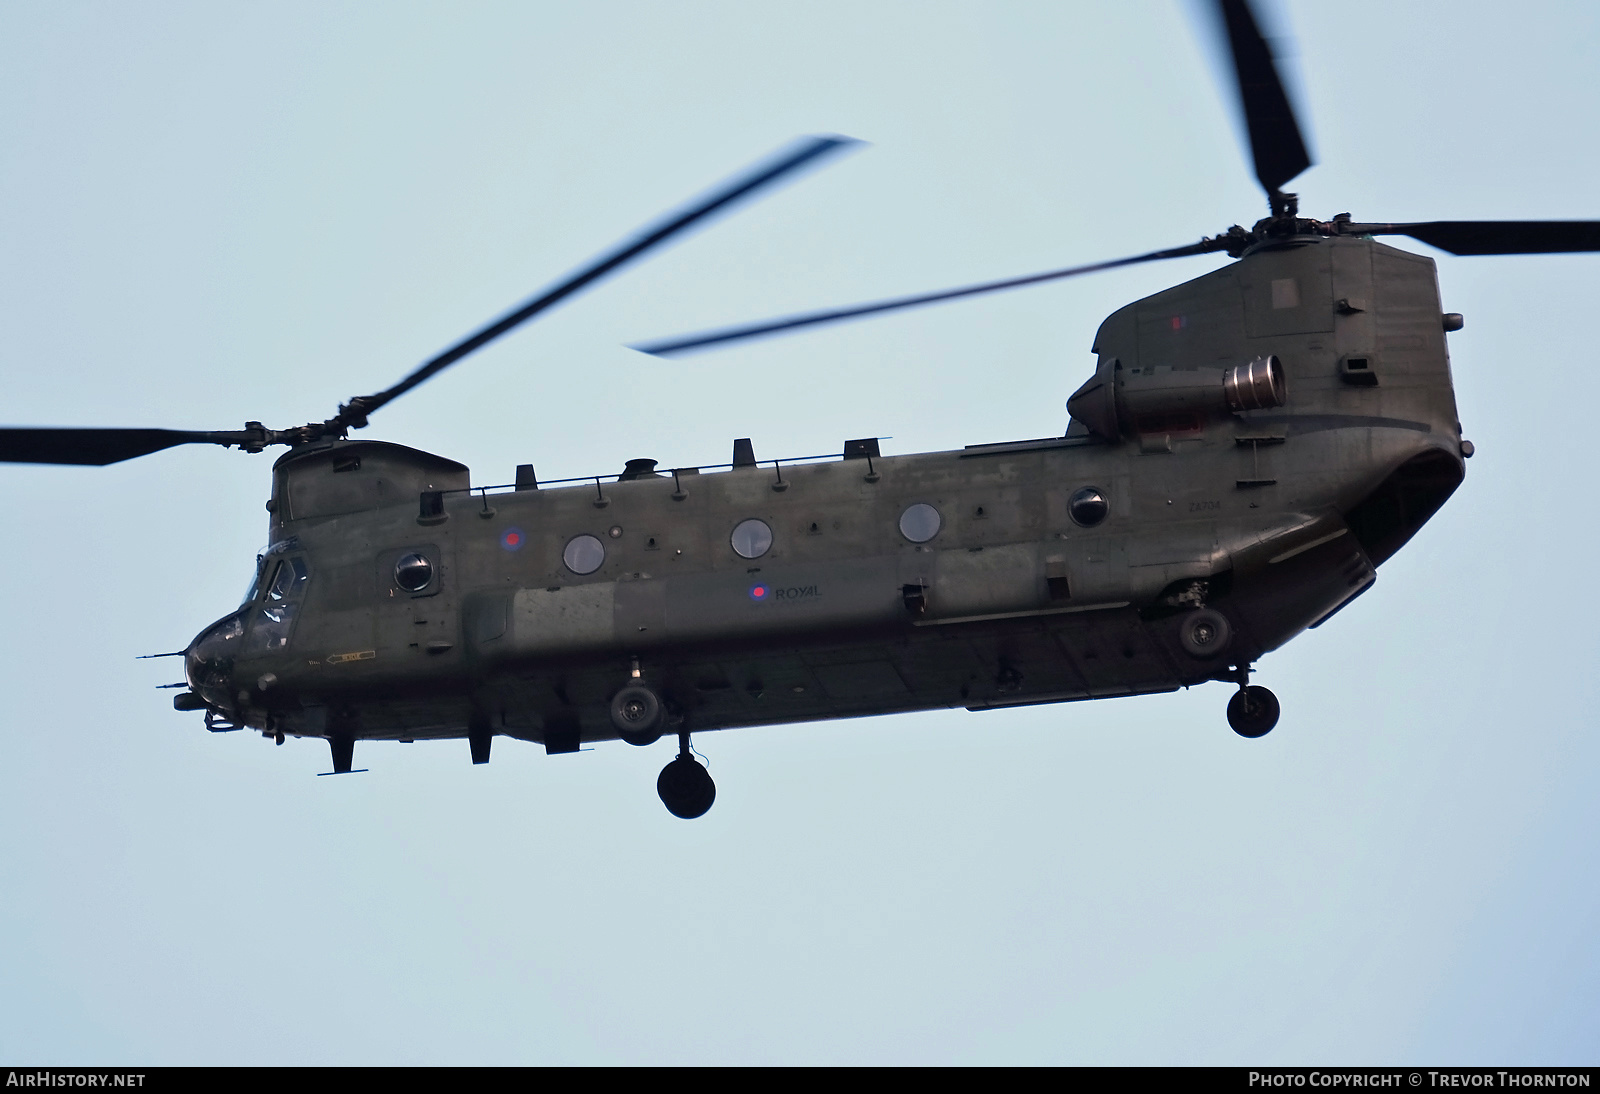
x: 1204, y: 633
x: 1253, y: 711
x: 686, y: 788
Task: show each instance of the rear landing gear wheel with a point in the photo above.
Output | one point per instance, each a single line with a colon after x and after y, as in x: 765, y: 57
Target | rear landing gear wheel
x: 1253, y: 711
x: 636, y: 715
x: 685, y: 787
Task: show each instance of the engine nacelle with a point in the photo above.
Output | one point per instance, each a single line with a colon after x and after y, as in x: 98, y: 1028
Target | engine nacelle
x: 1161, y: 399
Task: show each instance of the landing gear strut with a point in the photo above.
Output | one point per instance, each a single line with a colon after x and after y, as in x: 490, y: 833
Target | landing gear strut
x: 685, y: 787
x: 1253, y: 710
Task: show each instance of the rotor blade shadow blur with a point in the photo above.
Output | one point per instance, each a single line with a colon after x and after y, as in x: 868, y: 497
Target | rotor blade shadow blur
x: 806, y: 151
x: 98, y: 447
x: 669, y: 347
x: 1276, y: 142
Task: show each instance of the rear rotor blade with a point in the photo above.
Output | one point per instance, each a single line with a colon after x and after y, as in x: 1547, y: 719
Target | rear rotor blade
x: 97, y: 447
x: 1498, y: 237
x: 1275, y: 139
x: 788, y: 161
x: 668, y: 347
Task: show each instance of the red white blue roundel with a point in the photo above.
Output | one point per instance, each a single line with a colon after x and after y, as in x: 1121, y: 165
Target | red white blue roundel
x: 759, y: 592
x: 512, y: 539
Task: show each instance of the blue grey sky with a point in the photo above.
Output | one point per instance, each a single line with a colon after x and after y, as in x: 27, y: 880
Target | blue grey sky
x: 219, y: 212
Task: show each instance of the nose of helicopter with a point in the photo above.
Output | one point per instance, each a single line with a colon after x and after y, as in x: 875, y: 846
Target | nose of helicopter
x: 208, y: 662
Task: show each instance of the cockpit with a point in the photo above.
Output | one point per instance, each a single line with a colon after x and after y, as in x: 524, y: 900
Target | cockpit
x: 263, y: 624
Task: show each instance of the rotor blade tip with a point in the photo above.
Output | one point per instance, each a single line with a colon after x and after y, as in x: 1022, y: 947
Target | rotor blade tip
x: 817, y: 147
x: 839, y: 140
x: 664, y: 350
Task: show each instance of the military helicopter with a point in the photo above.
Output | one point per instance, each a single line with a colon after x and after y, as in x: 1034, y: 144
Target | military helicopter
x: 1253, y: 445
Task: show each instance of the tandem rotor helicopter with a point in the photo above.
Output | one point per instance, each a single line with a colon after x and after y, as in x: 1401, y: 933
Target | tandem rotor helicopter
x: 1253, y: 444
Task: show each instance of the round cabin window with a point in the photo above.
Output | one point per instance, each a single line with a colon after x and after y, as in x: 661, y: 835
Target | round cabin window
x: 413, y: 572
x: 1088, y: 507
x: 584, y: 554
x: 751, y: 538
x: 920, y: 522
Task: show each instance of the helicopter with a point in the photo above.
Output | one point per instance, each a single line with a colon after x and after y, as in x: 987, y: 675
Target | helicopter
x: 1252, y: 446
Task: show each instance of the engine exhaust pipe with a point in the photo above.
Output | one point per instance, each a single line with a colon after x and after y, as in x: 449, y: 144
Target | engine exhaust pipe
x: 1255, y: 385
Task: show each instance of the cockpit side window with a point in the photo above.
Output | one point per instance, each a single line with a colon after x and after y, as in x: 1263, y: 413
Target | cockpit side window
x: 289, y: 580
x: 271, y: 623
x: 270, y: 629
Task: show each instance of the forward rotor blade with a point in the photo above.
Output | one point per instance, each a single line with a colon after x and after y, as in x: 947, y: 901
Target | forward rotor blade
x: 803, y: 152
x: 668, y: 347
x: 1275, y: 140
x: 1498, y: 237
x: 97, y: 447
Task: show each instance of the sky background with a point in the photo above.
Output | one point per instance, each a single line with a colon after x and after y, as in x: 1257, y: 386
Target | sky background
x: 218, y: 212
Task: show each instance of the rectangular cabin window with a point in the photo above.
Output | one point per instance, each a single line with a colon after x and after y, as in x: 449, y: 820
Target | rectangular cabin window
x: 1357, y: 369
x: 1055, y: 579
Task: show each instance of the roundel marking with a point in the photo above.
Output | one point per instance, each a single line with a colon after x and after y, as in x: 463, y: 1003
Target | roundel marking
x: 758, y: 592
x: 512, y: 539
